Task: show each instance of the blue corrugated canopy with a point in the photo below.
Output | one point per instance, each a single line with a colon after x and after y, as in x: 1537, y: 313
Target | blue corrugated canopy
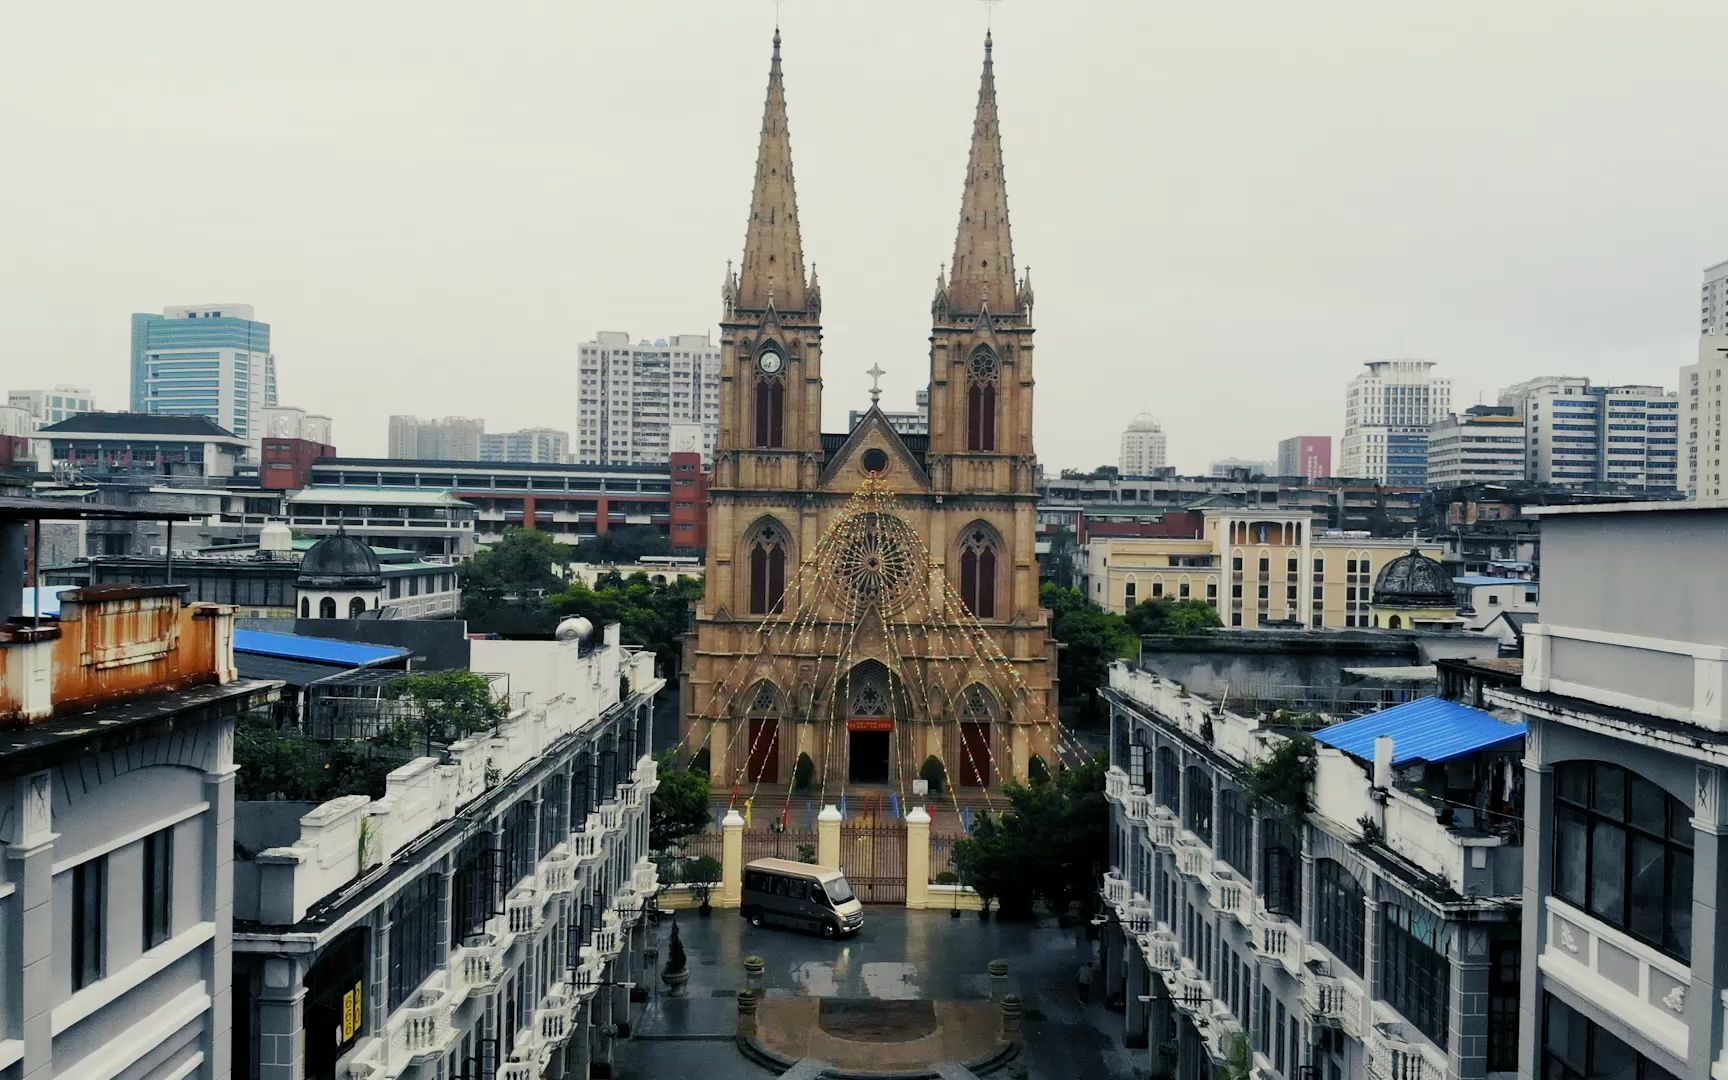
x: 316, y: 649
x: 1427, y: 729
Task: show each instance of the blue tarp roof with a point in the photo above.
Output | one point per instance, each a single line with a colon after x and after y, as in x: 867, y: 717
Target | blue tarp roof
x: 1427, y: 729
x: 316, y: 649
x: 1489, y: 579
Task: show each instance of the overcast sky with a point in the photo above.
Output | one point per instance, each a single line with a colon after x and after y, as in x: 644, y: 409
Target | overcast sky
x: 1227, y: 208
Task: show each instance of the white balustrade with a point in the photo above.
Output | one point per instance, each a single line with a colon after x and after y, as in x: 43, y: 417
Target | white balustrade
x: 1138, y: 806
x: 558, y: 872
x: 1162, y: 826
x: 1278, y: 940
x: 477, y: 968
x: 1193, y: 857
x: 648, y: 773
x: 1161, y: 949
x: 422, y: 1028
x: 589, y: 971
x: 522, y: 910
x: 1115, y: 889
x: 1220, y: 1035
x: 1231, y: 895
x: 1191, y: 993
x: 553, y: 1022
x: 1333, y: 1002
x: 586, y: 845
x: 1393, y: 1057
x: 1115, y: 785
x: 645, y: 879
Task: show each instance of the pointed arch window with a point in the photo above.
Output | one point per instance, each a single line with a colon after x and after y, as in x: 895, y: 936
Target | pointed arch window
x: 767, y: 561
x: 770, y: 411
x: 978, y: 573
x: 982, y: 377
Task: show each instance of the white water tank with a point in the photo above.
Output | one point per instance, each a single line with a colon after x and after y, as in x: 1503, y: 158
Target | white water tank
x: 275, y: 540
x: 574, y: 629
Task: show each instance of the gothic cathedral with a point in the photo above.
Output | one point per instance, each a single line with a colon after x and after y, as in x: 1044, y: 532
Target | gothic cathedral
x: 872, y: 597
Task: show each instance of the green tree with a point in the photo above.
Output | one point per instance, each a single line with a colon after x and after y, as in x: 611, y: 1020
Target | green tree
x: 680, y: 806
x: 1090, y: 637
x: 505, y: 585
x: 1164, y: 615
x: 1057, y: 566
x: 450, y: 705
x: 1285, y: 776
x: 1047, y: 846
x: 649, y: 614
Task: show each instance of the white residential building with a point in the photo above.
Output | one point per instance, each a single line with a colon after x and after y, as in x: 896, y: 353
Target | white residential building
x: 1626, y: 795
x: 1387, y: 410
x: 117, y: 787
x: 1576, y: 433
x: 447, y: 438
x: 289, y: 422
x: 488, y: 915
x: 1225, y: 467
x: 630, y: 396
x: 1144, y: 447
x: 1485, y: 445
x: 915, y: 422
x: 530, y: 446
x: 52, y: 406
x: 1713, y: 306
x: 1701, y: 419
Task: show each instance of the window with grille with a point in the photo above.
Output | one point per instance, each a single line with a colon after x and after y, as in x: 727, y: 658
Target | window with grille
x: 1338, y: 913
x: 1416, y: 978
x: 413, y: 937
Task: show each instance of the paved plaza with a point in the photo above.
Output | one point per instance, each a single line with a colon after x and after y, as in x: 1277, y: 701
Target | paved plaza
x: 900, y: 955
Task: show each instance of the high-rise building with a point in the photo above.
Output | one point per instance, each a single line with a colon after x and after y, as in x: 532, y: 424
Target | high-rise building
x: 1387, y: 410
x: 1713, y: 306
x: 448, y: 438
x: 1307, y: 456
x: 1576, y: 433
x: 1701, y: 418
x: 916, y: 422
x: 1144, y: 447
x: 629, y: 396
x: 52, y: 406
x: 533, y: 446
x: 205, y: 360
x: 1485, y: 445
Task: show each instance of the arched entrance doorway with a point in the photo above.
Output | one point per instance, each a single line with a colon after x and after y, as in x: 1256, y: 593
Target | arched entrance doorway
x: 976, y: 715
x: 763, y: 760
x: 869, y: 724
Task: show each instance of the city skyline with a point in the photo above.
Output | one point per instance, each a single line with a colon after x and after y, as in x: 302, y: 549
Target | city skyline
x: 1489, y: 273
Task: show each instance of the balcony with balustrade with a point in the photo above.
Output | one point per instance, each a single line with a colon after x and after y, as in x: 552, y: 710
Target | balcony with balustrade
x: 1334, y: 1002
x: 1116, y: 785
x: 1229, y: 893
x: 590, y: 972
x: 1162, y: 826
x: 1277, y: 940
x: 1394, y: 1056
x: 1116, y: 891
x: 477, y: 969
x: 1162, y: 951
x: 1193, y: 857
x: 1190, y: 992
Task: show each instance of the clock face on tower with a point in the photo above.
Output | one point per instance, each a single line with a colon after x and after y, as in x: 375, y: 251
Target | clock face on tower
x: 769, y: 362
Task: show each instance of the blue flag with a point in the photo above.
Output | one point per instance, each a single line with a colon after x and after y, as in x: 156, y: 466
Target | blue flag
x: 966, y: 820
x: 842, y: 805
x: 894, y: 801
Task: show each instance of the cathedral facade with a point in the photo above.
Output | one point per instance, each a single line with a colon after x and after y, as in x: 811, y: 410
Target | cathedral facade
x: 872, y: 598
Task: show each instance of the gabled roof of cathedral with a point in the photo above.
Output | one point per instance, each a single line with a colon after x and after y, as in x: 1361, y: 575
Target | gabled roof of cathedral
x: 982, y: 274
x: 837, y: 450
x: 773, y: 269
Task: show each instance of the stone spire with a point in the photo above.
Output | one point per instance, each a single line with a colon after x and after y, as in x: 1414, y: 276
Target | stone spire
x: 983, y: 268
x: 773, y: 268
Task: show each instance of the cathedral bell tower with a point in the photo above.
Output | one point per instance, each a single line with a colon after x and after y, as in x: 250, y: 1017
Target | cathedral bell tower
x: 981, y: 335
x: 770, y: 332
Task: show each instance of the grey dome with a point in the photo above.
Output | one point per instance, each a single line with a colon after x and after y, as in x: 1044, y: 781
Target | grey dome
x: 1414, y: 580
x: 340, y: 562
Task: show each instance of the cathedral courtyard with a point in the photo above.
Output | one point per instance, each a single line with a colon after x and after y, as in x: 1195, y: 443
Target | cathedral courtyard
x: 903, y: 958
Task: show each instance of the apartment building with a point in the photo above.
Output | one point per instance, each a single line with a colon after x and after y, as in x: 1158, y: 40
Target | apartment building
x: 1305, y: 456
x: 1144, y: 447
x: 446, y: 438
x: 530, y: 445
x: 1623, y: 964
x: 210, y: 360
x: 1713, y: 303
x: 117, y: 787
x: 487, y: 915
x: 629, y: 397
x: 1255, y: 567
x: 915, y: 421
x: 1387, y: 410
x: 1370, y: 932
x: 52, y: 406
x: 1485, y: 445
x: 1701, y: 419
x: 1578, y: 433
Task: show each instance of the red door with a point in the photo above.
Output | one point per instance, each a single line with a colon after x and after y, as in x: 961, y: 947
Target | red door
x: 975, y: 754
x: 764, y: 750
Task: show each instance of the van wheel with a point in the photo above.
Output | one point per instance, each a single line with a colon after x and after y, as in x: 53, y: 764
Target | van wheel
x: 828, y: 930
x: 755, y: 916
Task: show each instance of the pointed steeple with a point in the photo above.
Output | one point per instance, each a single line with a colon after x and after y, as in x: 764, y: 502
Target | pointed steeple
x: 983, y: 269
x: 773, y: 268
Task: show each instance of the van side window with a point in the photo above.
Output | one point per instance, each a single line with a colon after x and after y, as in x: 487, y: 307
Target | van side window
x: 781, y: 886
x: 755, y: 881
x: 817, y: 895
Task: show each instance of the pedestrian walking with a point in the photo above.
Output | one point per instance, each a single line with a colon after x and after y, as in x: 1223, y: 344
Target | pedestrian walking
x: 1085, y: 977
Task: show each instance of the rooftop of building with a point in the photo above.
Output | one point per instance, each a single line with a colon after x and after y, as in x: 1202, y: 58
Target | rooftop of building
x: 135, y: 423
x: 1429, y: 729
x: 359, y: 496
x: 489, y: 466
x: 1473, y: 580
x: 1667, y: 506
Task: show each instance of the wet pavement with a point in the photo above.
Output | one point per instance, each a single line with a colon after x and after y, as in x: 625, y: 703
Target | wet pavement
x: 899, y: 955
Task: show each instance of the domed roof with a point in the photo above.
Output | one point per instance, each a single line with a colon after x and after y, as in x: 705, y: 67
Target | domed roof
x: 1143, y: 422
x: 1414, y: 580
x: 340, y: 562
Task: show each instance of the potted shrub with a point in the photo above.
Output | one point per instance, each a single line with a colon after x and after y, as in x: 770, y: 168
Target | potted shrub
x: 677, y: 970
x: 803, y: 773
x: 701, y: 874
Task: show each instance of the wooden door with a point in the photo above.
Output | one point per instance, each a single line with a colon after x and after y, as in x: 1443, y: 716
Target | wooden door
x: 974, y: 754
x: 764, y: 761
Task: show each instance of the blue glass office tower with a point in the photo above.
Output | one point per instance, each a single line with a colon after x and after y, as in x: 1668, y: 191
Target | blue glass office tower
x: 205, y: 360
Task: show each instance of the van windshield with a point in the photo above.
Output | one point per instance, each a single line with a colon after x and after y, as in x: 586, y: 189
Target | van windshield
x: 838, y: 891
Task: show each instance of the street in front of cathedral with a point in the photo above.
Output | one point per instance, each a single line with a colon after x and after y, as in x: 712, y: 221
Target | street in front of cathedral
x: 900, y: 957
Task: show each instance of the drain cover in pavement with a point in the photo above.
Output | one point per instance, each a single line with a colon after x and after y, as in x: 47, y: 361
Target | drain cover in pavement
x: 869, y: 1020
